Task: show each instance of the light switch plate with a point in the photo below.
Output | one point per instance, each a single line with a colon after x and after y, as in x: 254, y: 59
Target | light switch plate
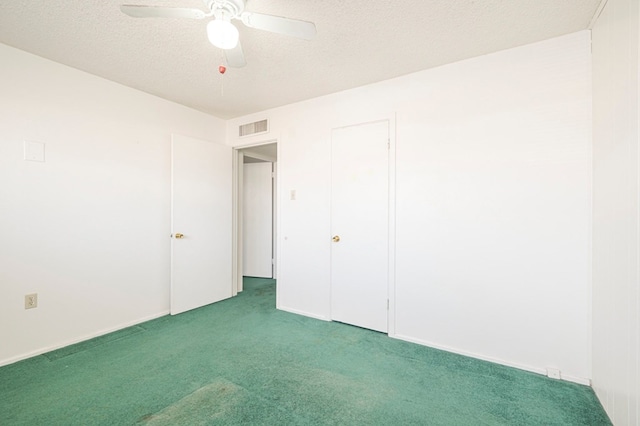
x: 33, y: 151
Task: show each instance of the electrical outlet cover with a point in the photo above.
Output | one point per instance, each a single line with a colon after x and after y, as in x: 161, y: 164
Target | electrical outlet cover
x: 31, y: 301
x: 553, y: 373
x: 33, y: 151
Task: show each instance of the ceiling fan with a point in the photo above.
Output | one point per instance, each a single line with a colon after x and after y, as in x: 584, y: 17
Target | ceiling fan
x: 221, y: 32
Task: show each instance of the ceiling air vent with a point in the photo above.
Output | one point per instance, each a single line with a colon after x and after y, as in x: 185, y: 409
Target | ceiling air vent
x: 253, y: 128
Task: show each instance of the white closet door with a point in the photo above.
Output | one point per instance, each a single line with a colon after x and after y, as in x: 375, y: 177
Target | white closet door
x: 257, y: 220
x: 360, y: 220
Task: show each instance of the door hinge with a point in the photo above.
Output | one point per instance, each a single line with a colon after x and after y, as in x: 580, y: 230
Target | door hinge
x: 388, y: 143
x: 387, y: 304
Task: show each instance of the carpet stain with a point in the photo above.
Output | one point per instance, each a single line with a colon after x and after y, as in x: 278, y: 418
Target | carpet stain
x: 324, y: 396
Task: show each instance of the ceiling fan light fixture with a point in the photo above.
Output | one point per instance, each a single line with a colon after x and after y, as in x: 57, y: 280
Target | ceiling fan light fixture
x: 222, y: 33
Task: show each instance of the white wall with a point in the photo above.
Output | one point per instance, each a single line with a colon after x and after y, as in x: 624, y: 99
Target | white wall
x: 88, y: 229
x: 616, y: 288
x: 492, y: 203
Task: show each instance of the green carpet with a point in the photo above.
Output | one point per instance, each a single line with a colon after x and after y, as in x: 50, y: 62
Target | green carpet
x: 242, y: 362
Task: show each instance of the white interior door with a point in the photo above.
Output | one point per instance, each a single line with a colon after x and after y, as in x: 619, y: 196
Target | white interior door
x: 201, y: 213
x: 257, y: 218
x: 360, y: 219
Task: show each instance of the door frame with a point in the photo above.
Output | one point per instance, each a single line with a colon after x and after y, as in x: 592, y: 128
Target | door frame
x: 238, y: 173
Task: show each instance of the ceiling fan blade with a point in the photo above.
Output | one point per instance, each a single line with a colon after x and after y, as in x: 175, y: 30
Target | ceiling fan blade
x: 136, y: 11
x: 280, y: 25
x: 235, y: 56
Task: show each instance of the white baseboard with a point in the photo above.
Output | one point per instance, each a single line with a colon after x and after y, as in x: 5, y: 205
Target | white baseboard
x: 537, y: 370
x: 80, y: 339
x: 303, y: 313
x: 578, y: 380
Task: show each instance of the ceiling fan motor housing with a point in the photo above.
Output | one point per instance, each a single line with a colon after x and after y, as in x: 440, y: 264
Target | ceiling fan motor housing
x: 233, y: 8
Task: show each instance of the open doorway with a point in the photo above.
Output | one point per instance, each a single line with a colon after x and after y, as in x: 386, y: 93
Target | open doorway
x: 255, y: 212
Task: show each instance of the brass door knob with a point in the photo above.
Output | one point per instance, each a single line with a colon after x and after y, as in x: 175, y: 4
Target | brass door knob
x: 179, y: 236
x: 336, y: 238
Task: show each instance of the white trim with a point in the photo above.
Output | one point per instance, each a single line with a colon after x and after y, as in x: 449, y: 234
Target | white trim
x: 596, y: 15
x: 237, y: 210
x: 274, y: 219
x: 254, y: 143
x: 236, y: 222
x: 303, y: 313
x: 264, y: 158
x: 391, y: 280
x: 537, y: 370
x: 590, y: 168
x: 578, y: 380
x: 82, y: 339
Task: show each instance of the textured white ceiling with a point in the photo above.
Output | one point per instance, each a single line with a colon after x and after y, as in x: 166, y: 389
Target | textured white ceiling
x: 358, y: 42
